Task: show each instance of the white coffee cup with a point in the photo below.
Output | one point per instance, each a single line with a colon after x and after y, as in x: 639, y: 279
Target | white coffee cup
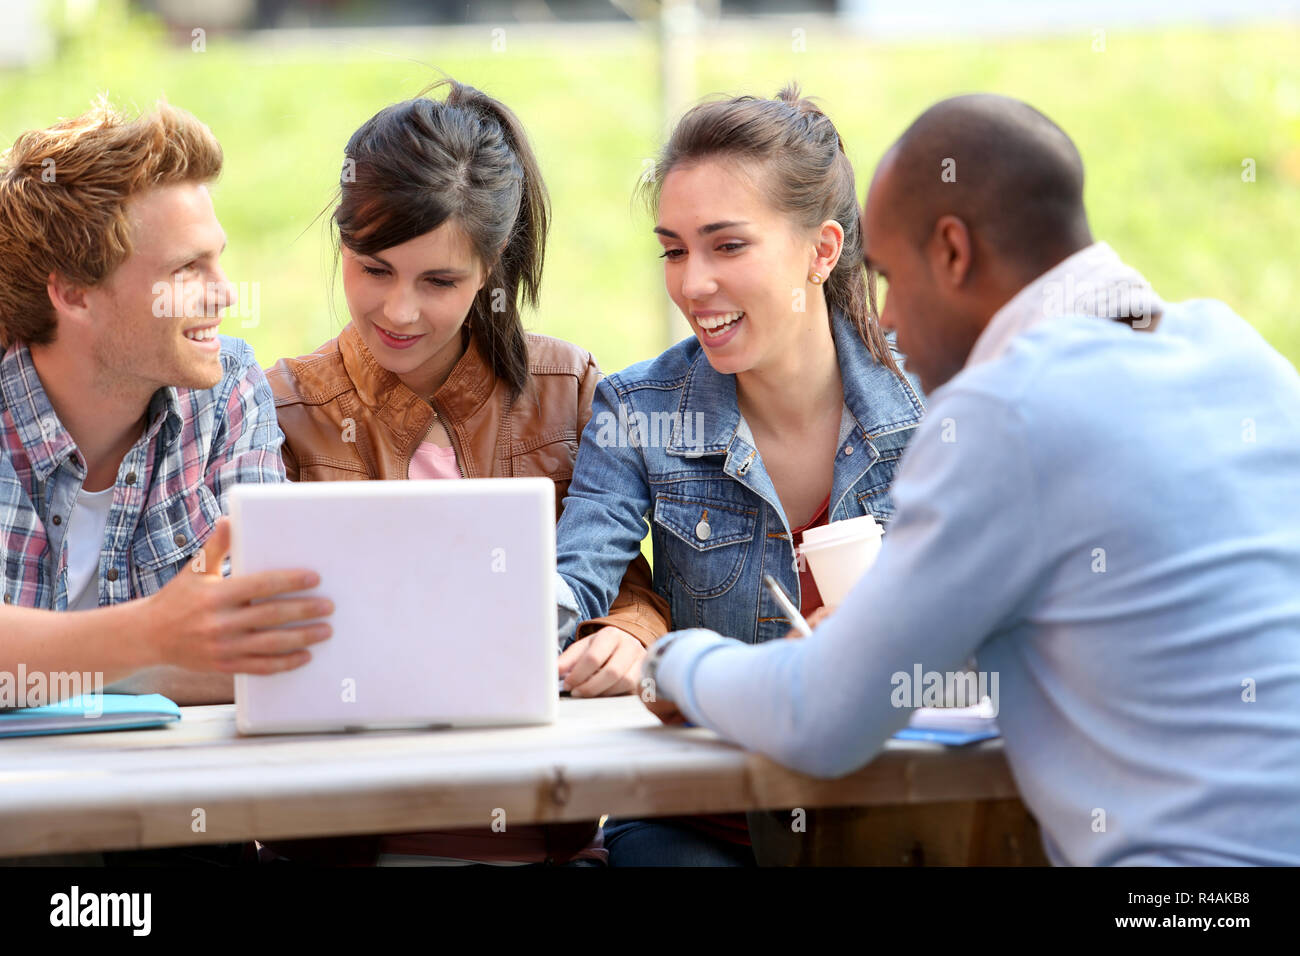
x: 839, y: 553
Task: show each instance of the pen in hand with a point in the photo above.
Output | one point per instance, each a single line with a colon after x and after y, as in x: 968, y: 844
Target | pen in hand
x: 787, y: 605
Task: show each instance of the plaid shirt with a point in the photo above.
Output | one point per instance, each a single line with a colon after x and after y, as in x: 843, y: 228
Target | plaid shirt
x: 171, y: 486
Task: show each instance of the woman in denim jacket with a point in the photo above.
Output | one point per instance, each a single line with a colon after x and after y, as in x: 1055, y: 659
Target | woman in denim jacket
x: 785, y: 411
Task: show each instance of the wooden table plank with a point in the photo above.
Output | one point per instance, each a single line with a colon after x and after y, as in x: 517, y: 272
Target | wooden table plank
x: 135, y: 789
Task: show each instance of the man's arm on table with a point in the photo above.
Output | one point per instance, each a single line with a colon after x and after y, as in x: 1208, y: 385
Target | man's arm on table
x: 959, y: 561
x: 114, y: 641
x: 199, y: 624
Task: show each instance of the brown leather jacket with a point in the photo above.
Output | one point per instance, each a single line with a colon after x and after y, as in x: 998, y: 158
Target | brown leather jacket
x: 346, y: 417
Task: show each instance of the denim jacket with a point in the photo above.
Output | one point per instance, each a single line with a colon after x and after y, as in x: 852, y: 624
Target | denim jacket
x: 667, y: 445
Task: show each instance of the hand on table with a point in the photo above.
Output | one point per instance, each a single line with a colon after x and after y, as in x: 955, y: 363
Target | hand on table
x: 603, y: 664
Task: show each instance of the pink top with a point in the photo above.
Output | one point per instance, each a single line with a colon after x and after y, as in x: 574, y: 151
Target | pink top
x: 432, y: 461
x: 525, y: 843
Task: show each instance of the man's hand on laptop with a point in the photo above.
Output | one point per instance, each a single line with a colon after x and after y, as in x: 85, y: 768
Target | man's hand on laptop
x: 602, y: 664
x: 243, y: 624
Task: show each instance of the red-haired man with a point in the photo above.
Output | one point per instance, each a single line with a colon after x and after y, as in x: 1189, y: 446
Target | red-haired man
x: 125, y: 419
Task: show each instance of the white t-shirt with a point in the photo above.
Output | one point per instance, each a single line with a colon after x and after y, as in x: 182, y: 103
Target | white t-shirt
x: 85, y: 539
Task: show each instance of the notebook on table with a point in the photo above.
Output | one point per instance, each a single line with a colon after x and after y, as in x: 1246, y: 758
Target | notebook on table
x: 90, y: 712
x: 954, y: 726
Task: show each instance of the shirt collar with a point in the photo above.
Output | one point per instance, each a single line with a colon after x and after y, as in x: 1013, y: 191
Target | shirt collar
x: 708, y: 397
x: 44, y: 439
x: 1093, y: 281
x: 165, y: 416
x: 880, y: 401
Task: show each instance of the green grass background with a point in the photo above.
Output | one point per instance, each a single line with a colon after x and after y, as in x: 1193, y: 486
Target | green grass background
x: 1163, y: 119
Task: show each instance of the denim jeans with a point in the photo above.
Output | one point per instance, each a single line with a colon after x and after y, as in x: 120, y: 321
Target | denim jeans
x: 663, y: 843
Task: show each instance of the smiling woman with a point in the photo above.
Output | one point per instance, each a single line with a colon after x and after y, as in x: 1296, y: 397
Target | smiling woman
x: 803, y: 410
x: 410, y: 315
x: 442, y: 221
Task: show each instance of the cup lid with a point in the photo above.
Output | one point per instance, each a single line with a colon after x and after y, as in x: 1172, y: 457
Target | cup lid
x: 837, y: 532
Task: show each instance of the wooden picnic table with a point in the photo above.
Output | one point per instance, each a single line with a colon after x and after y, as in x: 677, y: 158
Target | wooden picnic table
x: 199, y: 781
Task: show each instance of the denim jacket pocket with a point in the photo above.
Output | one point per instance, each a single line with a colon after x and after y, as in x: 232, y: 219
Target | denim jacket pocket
x: 707, y: 541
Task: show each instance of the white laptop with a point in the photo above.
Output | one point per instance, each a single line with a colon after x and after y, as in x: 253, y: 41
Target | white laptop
x: 444, y: 602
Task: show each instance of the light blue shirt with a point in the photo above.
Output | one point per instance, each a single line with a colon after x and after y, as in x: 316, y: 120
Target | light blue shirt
x: 1109, y: 520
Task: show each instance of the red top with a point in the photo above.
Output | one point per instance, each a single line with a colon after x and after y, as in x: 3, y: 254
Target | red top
x: 810, y: 599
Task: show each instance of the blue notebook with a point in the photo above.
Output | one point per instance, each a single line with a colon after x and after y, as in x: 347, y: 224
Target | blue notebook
x: 953, y: 738
x: 90, y: 712
x: 953, y: 726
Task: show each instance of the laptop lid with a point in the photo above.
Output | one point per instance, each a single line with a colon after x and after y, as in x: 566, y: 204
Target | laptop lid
x: 444, y: 600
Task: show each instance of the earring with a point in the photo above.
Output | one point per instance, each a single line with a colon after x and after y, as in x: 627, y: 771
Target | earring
x: 815, y: 278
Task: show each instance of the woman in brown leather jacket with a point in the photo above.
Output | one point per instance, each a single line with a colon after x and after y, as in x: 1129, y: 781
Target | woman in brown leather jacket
x: 442, y: 219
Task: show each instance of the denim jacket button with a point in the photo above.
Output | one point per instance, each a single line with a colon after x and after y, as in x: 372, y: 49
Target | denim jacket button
x: 848, y: 449
x: 702, y: 530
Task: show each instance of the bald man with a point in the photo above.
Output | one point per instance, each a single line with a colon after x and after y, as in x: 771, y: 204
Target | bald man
x: 1100, y: 507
